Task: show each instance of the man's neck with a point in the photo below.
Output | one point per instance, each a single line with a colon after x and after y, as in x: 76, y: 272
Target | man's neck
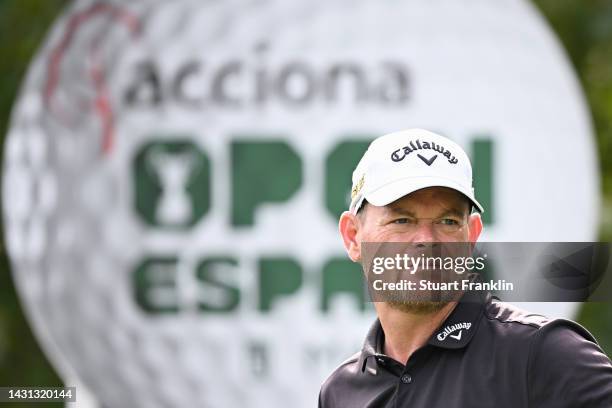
x: 406, y: 332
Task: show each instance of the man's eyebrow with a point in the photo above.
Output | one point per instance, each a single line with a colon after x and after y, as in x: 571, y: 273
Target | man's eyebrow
x: 400, y: 211
x: 452, y: 211
x: 404, y: 211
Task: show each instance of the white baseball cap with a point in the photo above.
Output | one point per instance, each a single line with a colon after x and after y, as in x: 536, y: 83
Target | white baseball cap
x: 402, y: 162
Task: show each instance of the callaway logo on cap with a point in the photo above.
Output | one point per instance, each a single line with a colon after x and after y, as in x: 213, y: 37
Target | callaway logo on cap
x: 400, y: 163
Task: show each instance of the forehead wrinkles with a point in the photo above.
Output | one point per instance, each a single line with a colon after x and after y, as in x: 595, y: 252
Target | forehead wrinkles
x: 438, y: 201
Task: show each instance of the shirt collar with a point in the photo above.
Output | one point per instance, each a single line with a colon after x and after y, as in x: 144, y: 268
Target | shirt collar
x: 372, y: 347
x: 461, y: 325
x: 456, y: 331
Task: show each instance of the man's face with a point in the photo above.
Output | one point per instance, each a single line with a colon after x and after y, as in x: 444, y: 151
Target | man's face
x: 434, y: 214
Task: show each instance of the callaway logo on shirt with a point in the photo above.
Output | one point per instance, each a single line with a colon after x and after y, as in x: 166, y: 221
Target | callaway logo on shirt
x: 453, y: 328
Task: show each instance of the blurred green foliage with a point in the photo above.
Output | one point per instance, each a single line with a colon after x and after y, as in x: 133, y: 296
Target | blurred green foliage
x: 584, y: 28
x: 23, y: 25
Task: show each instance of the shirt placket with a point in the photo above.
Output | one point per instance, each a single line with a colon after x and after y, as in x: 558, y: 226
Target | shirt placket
x: 409, y: 377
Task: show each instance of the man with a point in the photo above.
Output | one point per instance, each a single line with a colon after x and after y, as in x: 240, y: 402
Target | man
x: 416, y: 187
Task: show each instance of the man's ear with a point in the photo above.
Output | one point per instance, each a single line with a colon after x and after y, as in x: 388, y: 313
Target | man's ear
x: 349, y: 230
x: 474, y: 227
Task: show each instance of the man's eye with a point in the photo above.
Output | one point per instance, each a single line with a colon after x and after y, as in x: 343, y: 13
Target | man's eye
x: 448, y: 221
x: 403, y: 221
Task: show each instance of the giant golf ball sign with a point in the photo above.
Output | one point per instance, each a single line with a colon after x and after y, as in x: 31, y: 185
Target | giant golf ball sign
x: 174, y: 172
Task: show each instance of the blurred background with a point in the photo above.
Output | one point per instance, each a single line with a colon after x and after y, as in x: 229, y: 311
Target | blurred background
x: 583, y: 27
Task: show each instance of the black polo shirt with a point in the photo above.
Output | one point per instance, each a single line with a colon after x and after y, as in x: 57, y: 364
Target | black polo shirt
x: 486, y: 354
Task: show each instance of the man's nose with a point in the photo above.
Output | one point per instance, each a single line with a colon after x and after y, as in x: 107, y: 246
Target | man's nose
x: 424, y: 232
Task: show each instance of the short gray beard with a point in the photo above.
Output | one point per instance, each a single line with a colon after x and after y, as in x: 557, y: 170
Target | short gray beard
x: 419, y: 307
